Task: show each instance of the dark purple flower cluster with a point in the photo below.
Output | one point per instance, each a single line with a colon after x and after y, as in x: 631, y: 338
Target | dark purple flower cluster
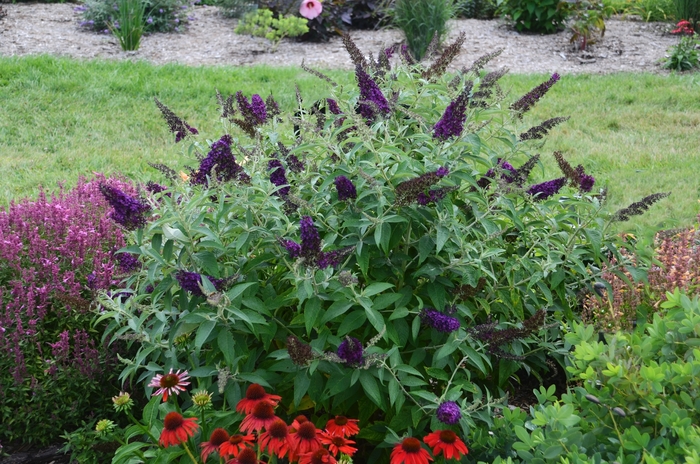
x: 299, y: 352
x: 190, y: 282
x: 177, y: 125
x: 128, y: 211
x: 546, y: 189
x: 154, y: 187
x: 333, y: 106
x: 503, y: 166
x: 253, y: 112
x: 495, y: 338
x: 417, y: 190
x: 346, y: 189
x: 638, y: 207
x: 452, y: 122
x: 586, y: 181
x: 372, y: 100
x: 439, y: 321
x: 406, y: 55
x: 528, y: 100
x: 220, y: 159
x: 448, y: 412
x: 538, y: 132
x: 350, y: 351
x: 310, y: 248
x: 128, y: 262
x: 278, y: 177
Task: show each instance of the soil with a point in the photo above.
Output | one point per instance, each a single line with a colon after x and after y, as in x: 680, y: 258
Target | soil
x: 37, y: 28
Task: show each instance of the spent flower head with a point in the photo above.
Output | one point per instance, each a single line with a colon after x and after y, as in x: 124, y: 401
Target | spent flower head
x: 104, y: 426
x: 202, y: 399
x: 122, y: 402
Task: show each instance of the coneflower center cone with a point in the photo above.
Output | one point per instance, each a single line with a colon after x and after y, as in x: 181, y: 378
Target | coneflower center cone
x: 307, y: 431
x: 411, y: 445
x: 448, y: 436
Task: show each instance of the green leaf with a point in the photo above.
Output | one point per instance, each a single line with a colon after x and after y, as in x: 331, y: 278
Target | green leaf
x: 425, y: 248
x: 375, y: 288
x: 168, y: 250
x: 437, y: 373
x: 237, y: 290
x: 226, y: 345
x: 338, y: 308
x: 312, y: 309
x: 383, y: 301
x: 150, y: 412
x: 172, y: 233
x: 382, y: 234
x: 301, y: 384
x: 353, y: 321
x: 371, y: 387
x: 375, y: 318
x: 442, y: 235
x: 203, y: 332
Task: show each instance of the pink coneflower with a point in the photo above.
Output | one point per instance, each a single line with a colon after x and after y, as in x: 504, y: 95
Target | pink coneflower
x: 310, y: 8
x: 170, y: 383
x: 217, y: 438
x: 255, y: 394
x: 177, y: 429
x: 262, y: 416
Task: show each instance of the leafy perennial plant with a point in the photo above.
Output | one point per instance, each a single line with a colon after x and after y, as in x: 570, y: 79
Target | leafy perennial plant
x: 393, y: 259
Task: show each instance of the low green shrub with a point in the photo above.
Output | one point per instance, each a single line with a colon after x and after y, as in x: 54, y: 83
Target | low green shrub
x: 648, y: 10
x: 129, y: 26
x: 587, y: 22
x: 421, y: 21
x: 545, y: 16
x: 479, y: 9
x: 638, y: 398
x: 235, y: 8
x: 262, y: 23
x: 159, y: 15
x: 385, y: 261
x: 684, y: 55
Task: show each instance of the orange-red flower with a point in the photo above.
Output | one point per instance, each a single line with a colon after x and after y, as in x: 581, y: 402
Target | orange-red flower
x: 276, y: 439
x: 177, y: 429
x: 300, y: 419
x: 447, y: 442
x: 338, y: 444
x: 246, y: 456
x: 235, y: 444
x: 305, y: 440
x: 171, y: 383
x: 342, y: 426
x: 254, y: 395
x: 409, y: 451
x: 320, y: 456
x: 217, y: 437
x: 262, y: 416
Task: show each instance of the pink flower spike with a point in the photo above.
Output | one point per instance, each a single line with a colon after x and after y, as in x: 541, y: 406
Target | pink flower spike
x: 310, y: 8
x: 170, y: 383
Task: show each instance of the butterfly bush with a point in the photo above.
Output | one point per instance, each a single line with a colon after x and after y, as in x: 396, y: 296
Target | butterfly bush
x: 402, y: 273
x: 56, y: 252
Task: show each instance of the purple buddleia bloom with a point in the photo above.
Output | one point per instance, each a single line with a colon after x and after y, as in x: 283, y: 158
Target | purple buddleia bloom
x: 332, y: 258
x: 544, y: 190
x: 310, y: 239
x: 439, y: 321
x: 406, y: 55
x: 176, y: 124
x: 372, y: 99
x: 258, y: 106
x: 346, y: 190
x: 128, y: 262
x: 505, y: 166
x: 452, y: 122
x: 442, y: 171
x: 154, y: 187
x: 586, y: 181
x: 219, y: 159
x: 449, y: 413
x: 273, y: 109
x: 416, y: 190
x: 129, y: 212
x: 333, y: 106
x: 190, y: 281
x: 529, y: 99
x: 278, y: 177
x: 294, y: 163
x: 350, y: 351
x: 292, y: 247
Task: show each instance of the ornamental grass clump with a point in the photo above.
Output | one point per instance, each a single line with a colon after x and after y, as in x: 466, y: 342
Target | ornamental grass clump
x: 55, y: 254
x: 394, y: 257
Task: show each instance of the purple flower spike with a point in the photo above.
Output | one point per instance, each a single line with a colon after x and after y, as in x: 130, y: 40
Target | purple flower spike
x: 452, y: 122
x: 310, y: 239
x: 129, y: 212
x: 528, y: 100
x: 346, y: 189
x: 439, y: 321
x: 190, y: 281
x: 278, y: 177
x: 258, y: 106
x: 442, y: 171
x: 219, y: 159
x: 546, y: 189
x: 350, y: 351
x: 292, y: 247
x: 372, y: 99
x: 333, y: 106
x: 449, y: 413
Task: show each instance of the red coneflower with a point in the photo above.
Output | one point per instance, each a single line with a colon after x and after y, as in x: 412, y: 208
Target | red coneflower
x: 246, y: 456
x: 338, y: 444
x: 409, y: 451
x: 254, y: 395
x: 217, y: 437
x: 447, y: 442
x: 305, y: 440
x: 276, y: 439
x: 342, y: 426
x: 262, y: 416
x: 235, y: 445
x: 300, y: 419
x: 320, y: 456
x: 170, y: 383
x: 177, y: 429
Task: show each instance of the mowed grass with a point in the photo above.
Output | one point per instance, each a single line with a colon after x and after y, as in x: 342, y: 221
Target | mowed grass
x: 61, y: 118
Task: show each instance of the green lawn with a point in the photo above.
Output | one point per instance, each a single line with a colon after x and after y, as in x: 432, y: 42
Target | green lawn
x: 61, y: 118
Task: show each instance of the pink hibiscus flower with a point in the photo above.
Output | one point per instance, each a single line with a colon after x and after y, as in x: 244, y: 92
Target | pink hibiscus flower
x: 310, y: 8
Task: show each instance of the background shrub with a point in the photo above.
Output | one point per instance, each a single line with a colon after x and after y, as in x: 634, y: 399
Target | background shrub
x: 420, y: 20
x: 159, y: 15
x: 235, y: 8
x: 546, y: 16
x: 479, y: 9
x: 54, y: 254
x: 395, y: 252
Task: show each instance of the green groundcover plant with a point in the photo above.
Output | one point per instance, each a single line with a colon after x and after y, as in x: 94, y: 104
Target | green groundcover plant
x: 387, y: 254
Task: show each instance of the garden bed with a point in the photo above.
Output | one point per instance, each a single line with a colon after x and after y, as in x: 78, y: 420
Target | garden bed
x: 632, y: 46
